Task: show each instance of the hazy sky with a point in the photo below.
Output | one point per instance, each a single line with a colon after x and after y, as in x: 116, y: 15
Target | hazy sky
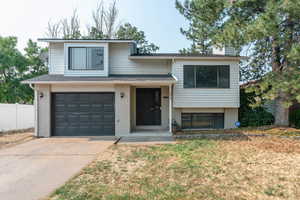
x: 158, y: 18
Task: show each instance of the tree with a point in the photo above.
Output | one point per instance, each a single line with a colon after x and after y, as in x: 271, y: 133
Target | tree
x: 110, y: 19
x: 15, y: 67
x: 36, y: 57
x: 71, y: 27
x: 96, y: 31
x: 104, y: 22
x: 271, y: 27
x: 53, y: 30
x: 12, y: 66
x: 127, y: 31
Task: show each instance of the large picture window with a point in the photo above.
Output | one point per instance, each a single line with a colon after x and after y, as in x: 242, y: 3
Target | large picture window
x: 86, y: 58
x: 206, y: 76
x: 202, y: 120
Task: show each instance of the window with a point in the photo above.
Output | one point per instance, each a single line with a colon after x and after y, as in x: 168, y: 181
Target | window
x: 202, y: 120
x: 206, y: 76
x: 86, y: 58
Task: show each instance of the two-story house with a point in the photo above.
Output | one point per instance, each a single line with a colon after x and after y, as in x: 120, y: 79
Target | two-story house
x: 105, y: 87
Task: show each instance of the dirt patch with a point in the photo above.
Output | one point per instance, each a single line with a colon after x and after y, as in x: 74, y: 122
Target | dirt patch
x: 275, y: 144
x: 9, y: 139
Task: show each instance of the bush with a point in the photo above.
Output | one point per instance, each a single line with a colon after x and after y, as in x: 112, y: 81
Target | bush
x: 253, y: 116
x: 295, y: 118
x: 256, y: 117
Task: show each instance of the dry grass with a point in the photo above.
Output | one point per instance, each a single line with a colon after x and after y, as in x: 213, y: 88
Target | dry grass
x: 8, y: 139
x: 260, y: 168
x: 271, y: 130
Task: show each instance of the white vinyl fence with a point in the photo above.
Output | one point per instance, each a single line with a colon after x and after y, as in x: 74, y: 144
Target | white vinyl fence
x: 16, y: 116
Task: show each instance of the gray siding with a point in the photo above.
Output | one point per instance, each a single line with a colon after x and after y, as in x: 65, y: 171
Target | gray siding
x: 206, y: 98
x: 56, y: 58
x: 120, y: 64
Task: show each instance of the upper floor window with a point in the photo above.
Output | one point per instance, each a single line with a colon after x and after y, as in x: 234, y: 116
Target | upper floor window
x: 206, y: 76
x: 86, y: 58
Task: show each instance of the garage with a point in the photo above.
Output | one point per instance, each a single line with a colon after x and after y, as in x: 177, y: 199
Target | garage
x: 83, y: 114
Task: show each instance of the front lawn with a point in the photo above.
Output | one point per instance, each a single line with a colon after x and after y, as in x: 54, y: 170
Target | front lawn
x: 259, y: 168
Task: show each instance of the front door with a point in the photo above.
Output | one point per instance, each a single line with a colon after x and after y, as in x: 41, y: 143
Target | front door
x: 148, y: 103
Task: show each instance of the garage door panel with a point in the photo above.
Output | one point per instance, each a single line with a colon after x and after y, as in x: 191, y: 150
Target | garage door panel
x: 83, y: 114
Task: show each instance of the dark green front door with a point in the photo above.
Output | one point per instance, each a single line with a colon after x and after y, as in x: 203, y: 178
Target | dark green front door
x: 83, y: 114
x: 148, y: 106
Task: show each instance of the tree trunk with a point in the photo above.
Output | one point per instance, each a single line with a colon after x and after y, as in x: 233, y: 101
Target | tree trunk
x: 281, y: 113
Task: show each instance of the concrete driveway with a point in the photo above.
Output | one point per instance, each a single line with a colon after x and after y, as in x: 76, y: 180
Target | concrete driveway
x: 34, y: 169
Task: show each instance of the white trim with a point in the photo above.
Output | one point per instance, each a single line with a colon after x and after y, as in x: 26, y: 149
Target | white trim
x: 103, y: 72
x: 170, y: 107
x: 85, y: 41
x: 142, y: 83
x: 184, y: 58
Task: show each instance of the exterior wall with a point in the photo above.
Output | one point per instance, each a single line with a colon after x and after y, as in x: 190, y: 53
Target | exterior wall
x: 165, y: 107
x: 43, y: 113
x: 133, y: 107
x: 122, y: 105
x: 122, y: 110
x: 56, y: 58
x: 206, y: 98
x: 230, y: 114
x: 118, y: 61
x: 121, y: 64
x: 16, y: 117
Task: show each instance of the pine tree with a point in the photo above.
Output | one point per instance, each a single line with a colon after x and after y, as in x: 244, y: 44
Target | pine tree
x: 272, y: 31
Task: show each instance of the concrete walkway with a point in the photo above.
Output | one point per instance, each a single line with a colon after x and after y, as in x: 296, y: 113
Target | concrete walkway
x: 34, y: 169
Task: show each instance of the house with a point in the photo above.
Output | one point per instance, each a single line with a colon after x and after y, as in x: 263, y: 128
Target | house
x: 105, y: 87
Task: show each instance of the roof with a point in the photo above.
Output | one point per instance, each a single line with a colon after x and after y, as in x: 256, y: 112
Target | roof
x: 184, y: 56
x: 59, y: 78
x: 86, y: 40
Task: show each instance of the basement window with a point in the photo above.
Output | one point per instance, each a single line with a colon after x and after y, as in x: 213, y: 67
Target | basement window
x: 202, y: 120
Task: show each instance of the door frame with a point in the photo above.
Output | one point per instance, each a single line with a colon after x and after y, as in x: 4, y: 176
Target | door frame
x: 52, y: 123
x: 150, y: 127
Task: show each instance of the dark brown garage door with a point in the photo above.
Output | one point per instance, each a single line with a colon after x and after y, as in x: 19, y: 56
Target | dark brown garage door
x: 83, y: 114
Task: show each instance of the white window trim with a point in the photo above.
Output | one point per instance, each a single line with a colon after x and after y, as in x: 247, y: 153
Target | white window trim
x: 103, y: 72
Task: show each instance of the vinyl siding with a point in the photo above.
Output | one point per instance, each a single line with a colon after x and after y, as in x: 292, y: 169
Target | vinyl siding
x: 120, y: 64
x: 206, y: 98
x: 118, y: 61
x: 56, y: 58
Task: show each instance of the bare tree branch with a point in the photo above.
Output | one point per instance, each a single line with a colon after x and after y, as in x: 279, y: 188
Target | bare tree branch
x: 110, y: 19
x: 53, y: 30
x: 71, y: 28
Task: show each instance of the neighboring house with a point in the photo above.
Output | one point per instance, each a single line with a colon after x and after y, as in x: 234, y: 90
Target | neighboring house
x: 104, y: 87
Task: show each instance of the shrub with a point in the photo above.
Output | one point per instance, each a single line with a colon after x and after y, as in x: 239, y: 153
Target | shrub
x: 250, y: 116
x: 295, y: 118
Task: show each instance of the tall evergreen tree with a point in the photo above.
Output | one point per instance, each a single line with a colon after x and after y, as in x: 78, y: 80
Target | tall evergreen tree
x: 271, y: 27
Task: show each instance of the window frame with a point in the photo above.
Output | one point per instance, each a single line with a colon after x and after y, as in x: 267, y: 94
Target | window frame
x: 86, y: 72
x: 86, y: 61
x: 218, y: 86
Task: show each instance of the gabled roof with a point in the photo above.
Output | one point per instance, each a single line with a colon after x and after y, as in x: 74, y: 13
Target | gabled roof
x: 112, y: 79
